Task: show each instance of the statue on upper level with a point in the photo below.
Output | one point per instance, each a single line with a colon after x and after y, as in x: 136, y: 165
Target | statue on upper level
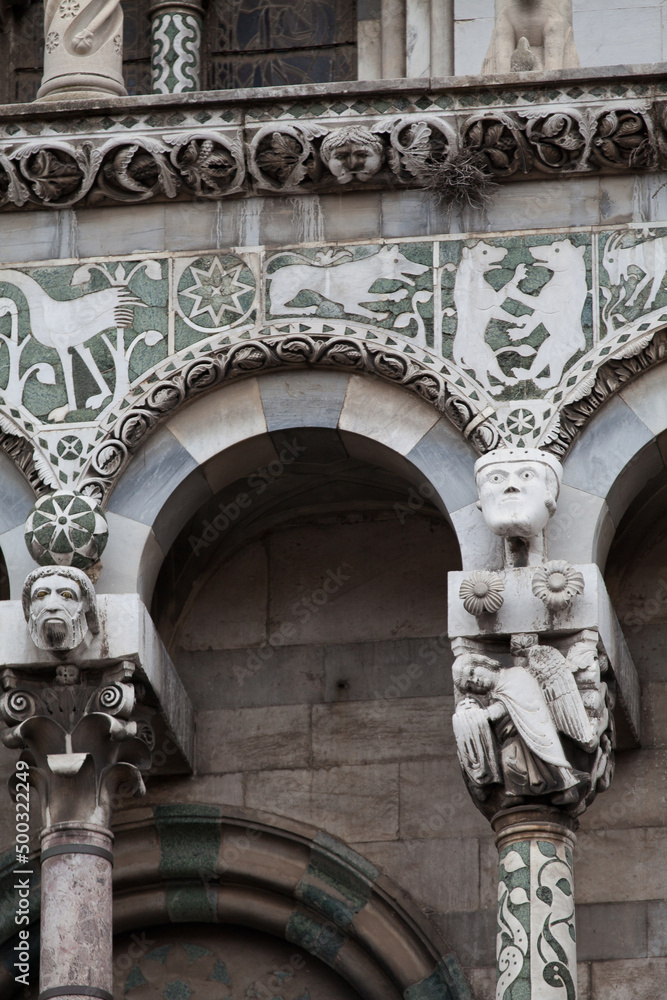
x: 518, y: 490
x: 60, y: 607
x: 531, y: 35
x: 83, y: 49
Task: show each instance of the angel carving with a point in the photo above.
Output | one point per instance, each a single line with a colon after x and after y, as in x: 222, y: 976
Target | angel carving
x: 507, y: 732
x: 554, y: 674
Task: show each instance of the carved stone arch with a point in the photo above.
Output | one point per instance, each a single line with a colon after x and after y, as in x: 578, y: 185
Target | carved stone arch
x: 211, y: 864
x: 128, y: 427
x: 225, y: 436
x: 609, y: 379
x: 617, y: 447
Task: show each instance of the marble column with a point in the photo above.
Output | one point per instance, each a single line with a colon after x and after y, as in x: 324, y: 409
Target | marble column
x: 536, y: 947
x: 76, y: 936
x: 176, y: 30
x: 83, y: 50
x: 405, y: 38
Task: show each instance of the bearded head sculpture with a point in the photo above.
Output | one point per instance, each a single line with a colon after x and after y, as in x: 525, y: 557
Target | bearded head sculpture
x: 60, y: 607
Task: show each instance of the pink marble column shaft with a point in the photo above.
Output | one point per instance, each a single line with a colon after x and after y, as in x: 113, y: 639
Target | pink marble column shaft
x: 76, y: 926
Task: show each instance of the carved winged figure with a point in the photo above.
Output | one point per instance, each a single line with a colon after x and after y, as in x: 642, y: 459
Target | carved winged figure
x: 506, y: 734
x: 553, y: 673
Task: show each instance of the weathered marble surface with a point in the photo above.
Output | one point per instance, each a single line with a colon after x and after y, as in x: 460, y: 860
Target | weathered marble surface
x: 514, y: 327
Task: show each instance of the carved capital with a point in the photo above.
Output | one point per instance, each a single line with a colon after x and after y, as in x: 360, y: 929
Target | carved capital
x: 536, y: 729
x: 84, y: 734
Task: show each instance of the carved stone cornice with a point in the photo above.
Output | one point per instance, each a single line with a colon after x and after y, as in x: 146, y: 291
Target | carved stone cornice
x: 269, y: 141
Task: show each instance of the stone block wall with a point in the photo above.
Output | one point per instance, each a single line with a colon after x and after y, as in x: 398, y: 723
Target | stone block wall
x: 347, y: 726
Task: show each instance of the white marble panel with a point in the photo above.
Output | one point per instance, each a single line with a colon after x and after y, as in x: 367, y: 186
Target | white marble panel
x: 470, y: 10
x: 386, y: 414
x: 544, y: 204
x: 28, y: 236
x: 417, y: 42
x: 123, y: 229
x: 220, y: 420
x: 18, y: 559
x: 131, y: 560
x: 647, y: 397
x: 614, y: 35
x: 471, y: 40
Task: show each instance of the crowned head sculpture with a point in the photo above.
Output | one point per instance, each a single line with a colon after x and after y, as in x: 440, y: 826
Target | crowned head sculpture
x: 60, y: 607
x: 518, y: 489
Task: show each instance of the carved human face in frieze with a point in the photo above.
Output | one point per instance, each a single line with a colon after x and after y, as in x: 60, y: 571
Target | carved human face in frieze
x: 352, y: 154
x: 60, y: 607
x: 517, y: 490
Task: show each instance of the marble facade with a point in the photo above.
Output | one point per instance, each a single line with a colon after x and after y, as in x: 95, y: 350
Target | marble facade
x: 348, y: 510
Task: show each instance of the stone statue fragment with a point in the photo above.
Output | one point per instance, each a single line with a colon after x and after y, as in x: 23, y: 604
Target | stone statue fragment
x: 539, y: 729
x: 505, y: 733
x: 531, y: 35
x: 83, y: 54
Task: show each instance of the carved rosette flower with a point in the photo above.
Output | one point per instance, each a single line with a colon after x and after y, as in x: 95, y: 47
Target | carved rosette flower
x: 482, y: 592
x: 556, y: 584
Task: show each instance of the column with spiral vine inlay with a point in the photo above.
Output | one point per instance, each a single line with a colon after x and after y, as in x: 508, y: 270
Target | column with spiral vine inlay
x: 539, y: 661
x: 176, y: 33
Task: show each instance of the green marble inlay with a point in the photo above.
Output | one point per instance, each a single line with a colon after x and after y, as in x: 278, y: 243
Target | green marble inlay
x: 190, y: 844
x: 514, y: 906
x: 321, y: 940
x: 446, y: 982
x: 337, y: 882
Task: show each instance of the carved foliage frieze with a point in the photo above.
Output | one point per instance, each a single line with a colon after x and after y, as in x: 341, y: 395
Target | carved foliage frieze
x: 310, y: 152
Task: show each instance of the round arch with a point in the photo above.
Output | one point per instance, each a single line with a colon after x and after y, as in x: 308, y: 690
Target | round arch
x: 196, y: 863
x: 621, y: 448
x: 225, y: 435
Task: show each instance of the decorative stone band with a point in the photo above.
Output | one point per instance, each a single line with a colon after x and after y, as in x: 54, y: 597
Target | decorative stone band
x: 316, y: 155
x: 101, y: 852
x: 249, y: 358
x: 75, y: 991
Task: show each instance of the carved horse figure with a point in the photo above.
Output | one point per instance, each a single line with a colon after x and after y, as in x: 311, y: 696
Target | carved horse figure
x: 69, y: 324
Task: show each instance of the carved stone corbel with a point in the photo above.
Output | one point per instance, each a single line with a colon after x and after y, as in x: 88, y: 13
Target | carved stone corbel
x: 85, y: 691
x: 539, y: 659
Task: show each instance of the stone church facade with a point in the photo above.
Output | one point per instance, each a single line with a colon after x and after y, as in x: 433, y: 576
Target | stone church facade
x: 332, y: 445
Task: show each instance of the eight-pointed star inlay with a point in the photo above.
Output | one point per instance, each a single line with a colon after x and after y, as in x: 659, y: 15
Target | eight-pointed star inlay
x: 217, y: 290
